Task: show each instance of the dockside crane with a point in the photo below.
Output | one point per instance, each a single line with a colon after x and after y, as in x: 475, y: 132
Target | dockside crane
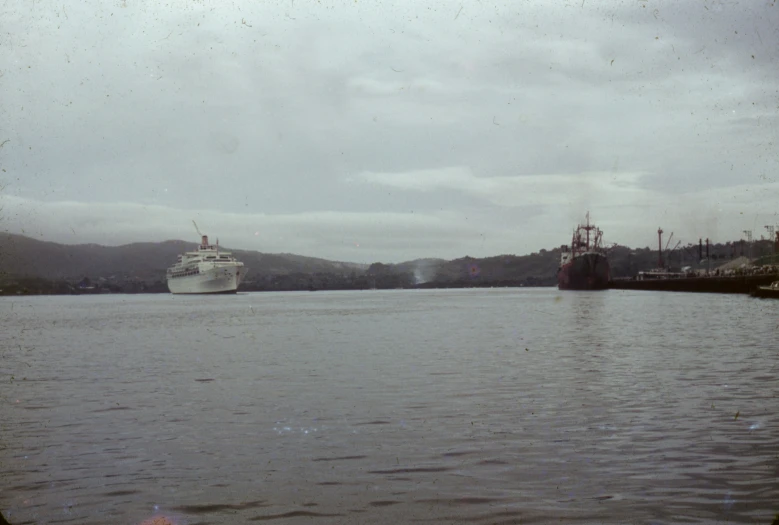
x: 668, y: 253
x: 661, y: 259
x: 666, y: 250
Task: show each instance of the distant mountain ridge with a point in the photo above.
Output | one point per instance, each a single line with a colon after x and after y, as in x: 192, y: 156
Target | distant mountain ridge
x: 145, y: 261
x: 22, y: 256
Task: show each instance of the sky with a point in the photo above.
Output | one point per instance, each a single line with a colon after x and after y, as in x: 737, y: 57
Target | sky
x: 387, y: 131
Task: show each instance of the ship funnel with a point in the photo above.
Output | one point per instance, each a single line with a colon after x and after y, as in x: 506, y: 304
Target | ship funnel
x: 204, y: 240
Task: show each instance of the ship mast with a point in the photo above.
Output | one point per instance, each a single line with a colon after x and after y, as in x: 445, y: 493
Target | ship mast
x: 596, y: 238
x: 588, y: 231
x: 586, y: 242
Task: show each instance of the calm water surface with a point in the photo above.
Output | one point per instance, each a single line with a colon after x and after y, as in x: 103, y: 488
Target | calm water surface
x: 470, y: 406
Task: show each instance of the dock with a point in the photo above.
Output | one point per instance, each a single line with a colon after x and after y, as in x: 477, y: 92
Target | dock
x: 743, y: 284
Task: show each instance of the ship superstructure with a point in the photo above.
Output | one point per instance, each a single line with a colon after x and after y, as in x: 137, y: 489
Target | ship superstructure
x: 206, y: 271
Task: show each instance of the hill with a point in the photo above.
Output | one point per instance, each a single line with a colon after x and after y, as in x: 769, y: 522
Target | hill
x: 140, y: 267
x: 143, y: 261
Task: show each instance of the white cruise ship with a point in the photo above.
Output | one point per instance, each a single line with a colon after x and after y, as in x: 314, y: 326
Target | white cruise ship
x: 206, y: 271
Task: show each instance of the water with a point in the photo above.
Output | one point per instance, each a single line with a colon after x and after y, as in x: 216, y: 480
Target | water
x: 470, y: 406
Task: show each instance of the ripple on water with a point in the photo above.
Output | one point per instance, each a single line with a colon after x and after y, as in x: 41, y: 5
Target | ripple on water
x: 475, y: 406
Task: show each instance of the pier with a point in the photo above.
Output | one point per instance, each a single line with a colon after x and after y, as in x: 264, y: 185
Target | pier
x: 743, y: 284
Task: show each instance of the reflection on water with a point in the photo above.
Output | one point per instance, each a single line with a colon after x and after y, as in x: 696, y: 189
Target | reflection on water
x: 488, y: 406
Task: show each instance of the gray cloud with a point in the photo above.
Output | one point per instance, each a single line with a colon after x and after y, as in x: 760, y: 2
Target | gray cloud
x: 497, y: 121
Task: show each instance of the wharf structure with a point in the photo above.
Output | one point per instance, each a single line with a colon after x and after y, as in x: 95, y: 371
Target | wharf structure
x: 743, y: 284
x: 742, y: 275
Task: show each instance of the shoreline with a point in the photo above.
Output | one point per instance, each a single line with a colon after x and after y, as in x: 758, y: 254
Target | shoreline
x: 452, y: 286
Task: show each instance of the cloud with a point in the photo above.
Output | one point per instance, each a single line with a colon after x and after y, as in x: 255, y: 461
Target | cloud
x: 430, y: 130
x: 353, y: 237
x: 524, y: 190
x: 529, y: 218
x: 621, y: 204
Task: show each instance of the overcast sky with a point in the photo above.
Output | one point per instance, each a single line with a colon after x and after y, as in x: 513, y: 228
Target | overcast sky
x: 385, y: 131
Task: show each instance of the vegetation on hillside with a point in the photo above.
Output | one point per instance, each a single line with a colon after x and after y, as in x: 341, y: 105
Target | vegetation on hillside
x: 29, y: 266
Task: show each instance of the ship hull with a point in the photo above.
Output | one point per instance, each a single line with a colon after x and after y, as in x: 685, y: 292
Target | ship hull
x: 588, y: 271
x: 219, y: 280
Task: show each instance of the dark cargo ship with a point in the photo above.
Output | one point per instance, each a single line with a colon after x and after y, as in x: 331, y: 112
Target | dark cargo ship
x: 584, y: 266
